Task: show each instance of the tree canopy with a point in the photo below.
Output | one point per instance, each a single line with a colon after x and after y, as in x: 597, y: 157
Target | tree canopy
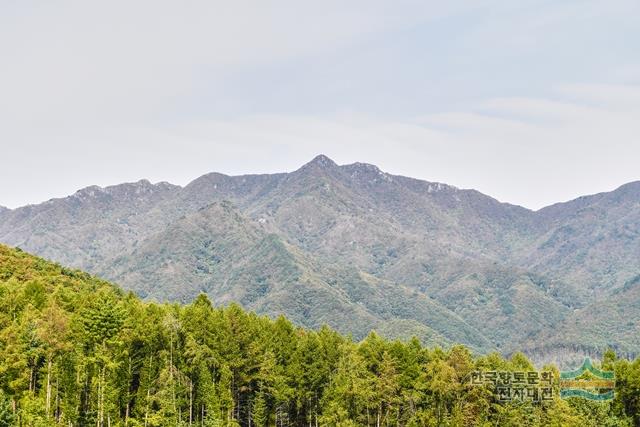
x: 77, y: 351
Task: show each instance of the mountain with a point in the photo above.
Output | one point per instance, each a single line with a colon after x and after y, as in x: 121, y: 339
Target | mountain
x: 218, y: 251
x: 360, y: 249
x: 85, y: 228
x: 591, y: 243
x: 612, y: 321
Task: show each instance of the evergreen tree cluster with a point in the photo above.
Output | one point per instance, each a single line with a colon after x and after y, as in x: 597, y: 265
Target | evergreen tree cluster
x: 77, y: 351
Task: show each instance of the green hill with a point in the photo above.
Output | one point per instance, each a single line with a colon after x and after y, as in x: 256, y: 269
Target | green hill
x: 75, y: 350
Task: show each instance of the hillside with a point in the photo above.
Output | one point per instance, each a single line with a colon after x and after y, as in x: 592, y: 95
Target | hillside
x: 218, y: 251
x: 357, y: 248
x: 75, y: 350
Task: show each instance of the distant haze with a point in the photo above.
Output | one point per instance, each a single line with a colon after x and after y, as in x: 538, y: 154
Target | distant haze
x: 531, y: 102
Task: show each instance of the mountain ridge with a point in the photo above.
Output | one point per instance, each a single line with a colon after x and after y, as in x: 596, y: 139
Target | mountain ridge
x: 516, y: 272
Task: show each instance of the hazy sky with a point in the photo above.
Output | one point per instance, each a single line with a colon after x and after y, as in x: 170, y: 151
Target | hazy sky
x: 531, y: 102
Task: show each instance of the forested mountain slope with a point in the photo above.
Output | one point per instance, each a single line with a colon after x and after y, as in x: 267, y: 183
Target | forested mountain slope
x: 75, y: 350
x: 359, y: 249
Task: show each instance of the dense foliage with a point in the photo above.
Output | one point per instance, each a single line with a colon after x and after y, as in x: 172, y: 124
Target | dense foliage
x: 74, y: 350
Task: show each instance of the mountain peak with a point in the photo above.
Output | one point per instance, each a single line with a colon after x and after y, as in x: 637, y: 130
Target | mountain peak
x: 139, y: 188
x: 322, y: 161
x: 91, y: 190
x: 320, y: 165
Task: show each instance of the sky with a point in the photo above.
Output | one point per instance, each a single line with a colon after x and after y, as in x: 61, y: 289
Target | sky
x: 531, y: 102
